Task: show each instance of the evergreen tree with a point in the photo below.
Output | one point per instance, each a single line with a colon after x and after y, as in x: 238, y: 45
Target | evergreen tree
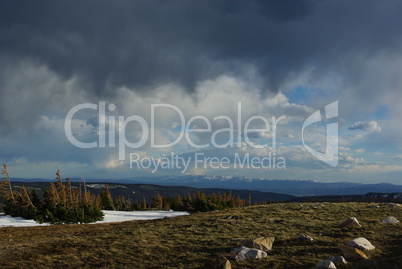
x: 157, y: 201
x: 61, y: 203
x: 144, y: 203
x: 106, y: 199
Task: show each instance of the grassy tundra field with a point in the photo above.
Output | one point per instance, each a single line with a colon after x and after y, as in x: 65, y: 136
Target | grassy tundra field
x: 189, y: 241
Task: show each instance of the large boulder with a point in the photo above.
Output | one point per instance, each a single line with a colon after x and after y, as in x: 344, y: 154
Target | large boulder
x: 245, y: 253
x: 325, y: 264
x: 351, y: 253
x: 389, y: 219
x: 261, y: 243
x: 361, y: 243
x: 351, y: 222
x: 338, y: 260
x: 218, y: 262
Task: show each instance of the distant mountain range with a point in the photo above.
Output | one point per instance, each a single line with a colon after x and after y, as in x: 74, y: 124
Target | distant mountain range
x: 136, y: 192
x: 288, y: 187
x: 291, y: 187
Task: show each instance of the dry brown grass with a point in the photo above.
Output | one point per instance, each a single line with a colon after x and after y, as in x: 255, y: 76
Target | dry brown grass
x: 188, y: 241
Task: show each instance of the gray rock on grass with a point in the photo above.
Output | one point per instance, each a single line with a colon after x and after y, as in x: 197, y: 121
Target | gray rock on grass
x: 361, y: 243
x: 351, y: 222
x: 389, y: 219
x: 245, y: 253
x: 305, y: 237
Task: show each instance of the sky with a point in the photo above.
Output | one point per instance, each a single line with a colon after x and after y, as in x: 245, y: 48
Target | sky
x: 121, y: 89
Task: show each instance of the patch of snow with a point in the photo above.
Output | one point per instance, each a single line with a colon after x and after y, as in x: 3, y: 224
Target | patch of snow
x: 102, y: 186
x: 119, y: 216
x: 110, y: 216
x: 8, y: 221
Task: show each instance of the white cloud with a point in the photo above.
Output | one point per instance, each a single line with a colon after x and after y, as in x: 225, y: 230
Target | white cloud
x: 371, y: 126
x: 43, y: 121
x: 397, y: 157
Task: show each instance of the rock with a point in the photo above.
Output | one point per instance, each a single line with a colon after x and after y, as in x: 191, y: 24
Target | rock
x: 305, y: 237
x: 389, y: 219
x: 325, y: 264
x: 351, y: 222
x: 245, y: 253
x: 352, y: 254
x: 338, y: 260
x: 261, y: 243
x: 374, y: 206
x: 218, y: 262
x: 361, y: 243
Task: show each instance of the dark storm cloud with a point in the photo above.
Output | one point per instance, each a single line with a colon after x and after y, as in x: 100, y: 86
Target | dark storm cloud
x: 141, y: 44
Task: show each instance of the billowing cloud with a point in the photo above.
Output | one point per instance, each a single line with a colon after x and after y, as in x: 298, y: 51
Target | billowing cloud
x: 370, y: 126
x: 203, y: 57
